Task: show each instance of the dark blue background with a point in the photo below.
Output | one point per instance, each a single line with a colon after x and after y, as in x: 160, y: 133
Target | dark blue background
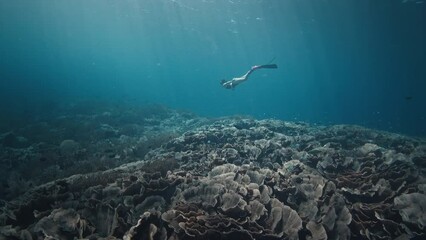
x: 351, y: 61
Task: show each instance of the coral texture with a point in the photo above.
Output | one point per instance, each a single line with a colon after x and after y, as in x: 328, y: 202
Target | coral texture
x: 236, y: 179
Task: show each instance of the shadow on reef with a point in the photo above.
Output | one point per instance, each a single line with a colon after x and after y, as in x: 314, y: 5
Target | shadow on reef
x: 236, y: 178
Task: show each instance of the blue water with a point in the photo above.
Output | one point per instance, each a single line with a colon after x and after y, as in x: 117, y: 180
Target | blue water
x: 340, y: 62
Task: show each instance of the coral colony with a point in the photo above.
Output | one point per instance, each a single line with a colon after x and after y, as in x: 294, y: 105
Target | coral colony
x: 156, y: 173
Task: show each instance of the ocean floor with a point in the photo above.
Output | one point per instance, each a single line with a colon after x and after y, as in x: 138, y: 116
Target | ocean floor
x: 155, y: 173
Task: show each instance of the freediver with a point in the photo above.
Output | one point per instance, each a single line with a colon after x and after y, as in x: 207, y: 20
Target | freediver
x: 231, y: 84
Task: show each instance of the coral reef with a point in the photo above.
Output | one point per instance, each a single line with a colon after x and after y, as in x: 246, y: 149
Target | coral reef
x: 231, y: 178
x: 85, y: 138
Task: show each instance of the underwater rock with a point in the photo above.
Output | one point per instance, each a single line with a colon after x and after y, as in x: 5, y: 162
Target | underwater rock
x: 69, y: 147
x: 13, y: 141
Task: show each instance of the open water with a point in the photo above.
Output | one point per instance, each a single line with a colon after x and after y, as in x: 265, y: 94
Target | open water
x: 357, y: 62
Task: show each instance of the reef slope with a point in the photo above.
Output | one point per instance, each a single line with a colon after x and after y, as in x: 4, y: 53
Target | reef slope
x: 238, y: 178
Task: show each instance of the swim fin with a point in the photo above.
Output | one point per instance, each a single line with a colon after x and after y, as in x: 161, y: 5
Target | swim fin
x: 268, y: 66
